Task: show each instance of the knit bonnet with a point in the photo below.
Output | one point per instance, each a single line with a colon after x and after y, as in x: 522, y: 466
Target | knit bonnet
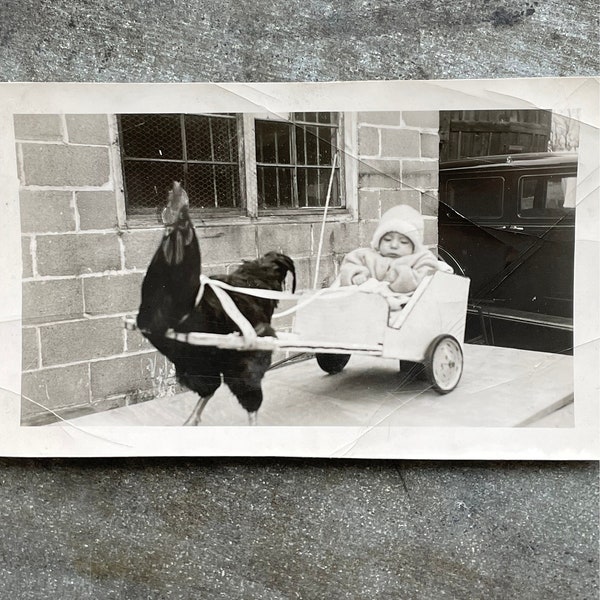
x: 405, y: 220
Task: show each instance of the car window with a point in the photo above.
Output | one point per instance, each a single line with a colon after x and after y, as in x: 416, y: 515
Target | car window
x: 476, y: 197
x: 546, y: 195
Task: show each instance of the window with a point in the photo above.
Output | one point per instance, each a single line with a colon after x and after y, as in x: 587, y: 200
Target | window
x: 199, y: 150
x: 546, y: 196
x: 294, y: 161
x: 476, y: 197
x: 216, y: 155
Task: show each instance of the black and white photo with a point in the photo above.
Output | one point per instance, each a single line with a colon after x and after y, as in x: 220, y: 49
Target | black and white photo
x: 419, y: 259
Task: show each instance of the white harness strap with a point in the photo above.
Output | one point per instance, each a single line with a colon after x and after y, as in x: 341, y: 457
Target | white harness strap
x: 233, y: 312
x: 259, y: 293
x: 340, y: 291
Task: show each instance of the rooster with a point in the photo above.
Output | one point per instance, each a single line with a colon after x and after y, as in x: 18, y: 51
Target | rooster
x: 169, y: 292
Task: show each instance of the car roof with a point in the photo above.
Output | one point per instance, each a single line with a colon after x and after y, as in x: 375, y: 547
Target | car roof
x: 499, y: 161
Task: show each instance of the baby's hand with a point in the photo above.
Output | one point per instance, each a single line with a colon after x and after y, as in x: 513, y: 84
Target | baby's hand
x: 359, y: 278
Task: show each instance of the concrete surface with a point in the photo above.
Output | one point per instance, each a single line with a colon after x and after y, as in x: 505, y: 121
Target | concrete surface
x: 285, y: 529
x: 500, y: 387
x: 296, y: 40
x: 282, y: 529
x: 562, y: 417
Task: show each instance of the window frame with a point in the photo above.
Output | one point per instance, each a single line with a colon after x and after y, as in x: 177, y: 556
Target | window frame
x: 185, y: 162
x: 248, y: 209
x: 295, y: 165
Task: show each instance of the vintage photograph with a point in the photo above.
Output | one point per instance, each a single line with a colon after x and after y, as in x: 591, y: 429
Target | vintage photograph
x: 356, y: 268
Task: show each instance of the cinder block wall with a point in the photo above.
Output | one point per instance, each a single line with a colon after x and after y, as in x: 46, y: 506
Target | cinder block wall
x: 398, y: 154
x: 82, y: 270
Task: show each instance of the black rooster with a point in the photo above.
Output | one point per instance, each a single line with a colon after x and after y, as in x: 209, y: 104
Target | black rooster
x: 169, y: 295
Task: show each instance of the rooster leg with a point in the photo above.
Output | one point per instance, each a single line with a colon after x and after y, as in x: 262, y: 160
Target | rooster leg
x: 253, y: 418
x: 194, y: 418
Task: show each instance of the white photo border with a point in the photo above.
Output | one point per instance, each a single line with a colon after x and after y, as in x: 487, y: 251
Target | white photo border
x: 557, y: 94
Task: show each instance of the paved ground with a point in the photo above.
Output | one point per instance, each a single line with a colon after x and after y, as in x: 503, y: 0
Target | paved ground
x: 500, y: 387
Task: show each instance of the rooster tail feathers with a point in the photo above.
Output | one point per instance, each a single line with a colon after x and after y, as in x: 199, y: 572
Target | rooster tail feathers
x: 283, y: 264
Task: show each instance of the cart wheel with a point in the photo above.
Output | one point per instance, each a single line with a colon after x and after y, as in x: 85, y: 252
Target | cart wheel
x: 444, y: 363
x: 332, y: 363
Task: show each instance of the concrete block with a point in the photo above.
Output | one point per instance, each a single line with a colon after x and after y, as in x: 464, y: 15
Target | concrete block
x: 26, y: 258
x: 400, y: 143
x: 47, y: 301
x: 421, y: 175
x: 292, y: 239
x: 112, y: 294
x: 368, y: 204
x: 375, y: 173
x: 77, y: 254
x: 390, y: 198
x: 327, y: 270
x: 129, y: 374
x: 75, y: 341
x: 88, y: 129
x: 340, y: 238
x: 136, y: 341
x: 214, y: 270
x: 430, y: 145
x: 430, y: 236
x: 227, y: 244
x: 97, y: 210
x: 46, y: 211
x: 391, y: 117
x: 366, y: 229
x: 429, y: 203
x: 426, y: 119
x: 368, y: 141
x: 64, y: 166
x: 140, y: 246
x: 30, y: 357
x: 55, y: 389
x: 304, y: 274
x: 45, y: 128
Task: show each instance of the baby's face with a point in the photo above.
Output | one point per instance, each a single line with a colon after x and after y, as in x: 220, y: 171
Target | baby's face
x: 394, y: 245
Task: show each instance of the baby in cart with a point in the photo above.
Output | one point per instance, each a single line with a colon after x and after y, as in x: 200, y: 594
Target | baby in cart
x: 396, y: 262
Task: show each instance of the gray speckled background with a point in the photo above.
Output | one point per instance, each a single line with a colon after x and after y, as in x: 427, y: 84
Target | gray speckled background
x: 280, y: 529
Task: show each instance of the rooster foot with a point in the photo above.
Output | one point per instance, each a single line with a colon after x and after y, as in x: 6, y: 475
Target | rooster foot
x: 194, y: 418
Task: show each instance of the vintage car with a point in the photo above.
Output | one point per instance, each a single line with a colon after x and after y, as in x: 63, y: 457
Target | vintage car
x: 508, y: 223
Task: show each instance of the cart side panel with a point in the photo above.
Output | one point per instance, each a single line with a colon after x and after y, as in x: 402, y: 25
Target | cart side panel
x: 441, y: 308
x: 355, y: 318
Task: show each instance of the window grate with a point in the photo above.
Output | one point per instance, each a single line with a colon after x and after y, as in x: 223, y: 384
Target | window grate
x: 294, y: 161
x: 199, y: 150
x: 213, y: 155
